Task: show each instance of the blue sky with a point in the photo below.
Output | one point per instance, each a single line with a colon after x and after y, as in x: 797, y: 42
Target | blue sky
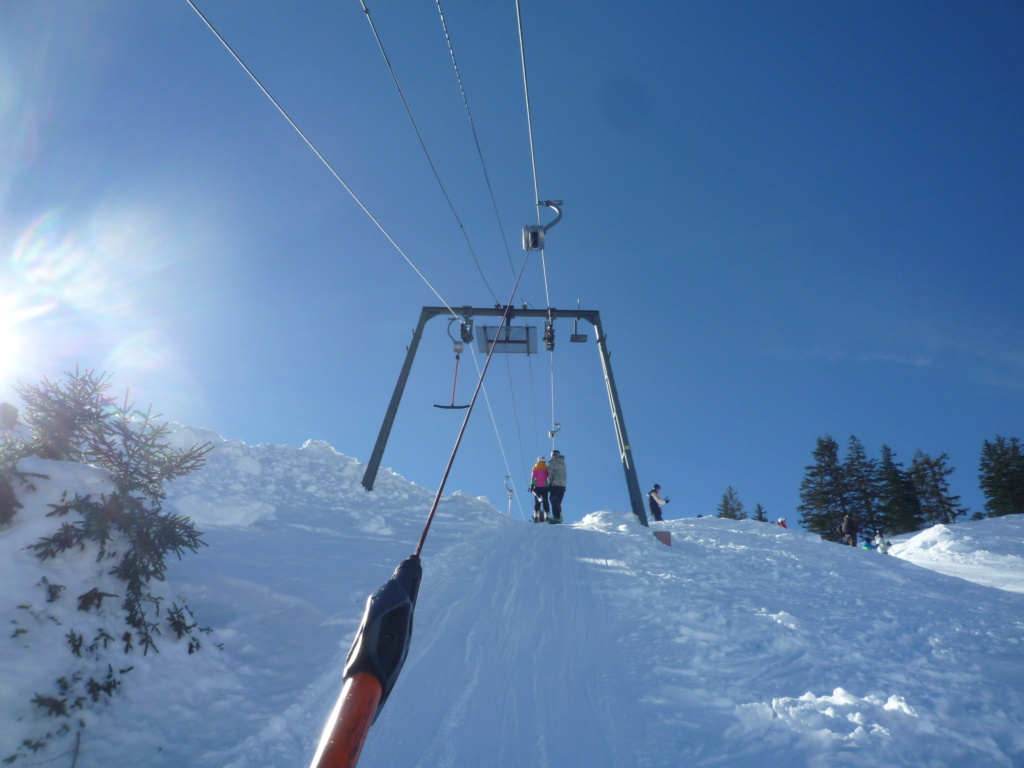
x: 795, y: 219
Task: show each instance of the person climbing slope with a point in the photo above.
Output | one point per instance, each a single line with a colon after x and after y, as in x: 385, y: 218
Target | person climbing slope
x: 539, y: 488
x: 556, y: 485
x: 849, y: 529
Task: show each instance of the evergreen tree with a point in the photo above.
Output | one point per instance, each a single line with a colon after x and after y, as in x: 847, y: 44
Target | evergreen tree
x: 861, y: 478
x: 75, y: 420
x: 760, y: 514
x: 938, y: 504
x: 731, y: 507
x: 823, y: 493
x: 1002, y: 476
x: 899, y: 510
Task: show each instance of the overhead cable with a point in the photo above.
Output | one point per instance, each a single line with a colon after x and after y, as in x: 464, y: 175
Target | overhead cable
x: 536, y: 192
x: 423, y: 144
x: 322, y: 158
x: 469, y: 412
x: 476, y: 139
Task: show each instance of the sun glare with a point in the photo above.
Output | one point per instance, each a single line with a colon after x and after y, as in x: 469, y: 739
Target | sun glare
x: 104, y: 290
x: 10, y: 351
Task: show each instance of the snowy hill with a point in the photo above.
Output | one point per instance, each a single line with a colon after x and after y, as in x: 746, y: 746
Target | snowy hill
x: 742, y: 644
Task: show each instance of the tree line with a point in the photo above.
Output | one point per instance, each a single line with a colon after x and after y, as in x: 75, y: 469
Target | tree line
x: 883, y: 494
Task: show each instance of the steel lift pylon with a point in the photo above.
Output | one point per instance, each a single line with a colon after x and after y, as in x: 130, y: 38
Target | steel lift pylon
x: 593, y: 317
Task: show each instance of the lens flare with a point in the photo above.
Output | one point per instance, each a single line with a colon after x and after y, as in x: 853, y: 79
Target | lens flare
x: 104, y: 291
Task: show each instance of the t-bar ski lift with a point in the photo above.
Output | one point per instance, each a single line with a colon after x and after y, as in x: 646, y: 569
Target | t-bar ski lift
x: 516, y: 343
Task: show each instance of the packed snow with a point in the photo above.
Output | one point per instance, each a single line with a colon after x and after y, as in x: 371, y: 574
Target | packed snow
x: 741, y: 644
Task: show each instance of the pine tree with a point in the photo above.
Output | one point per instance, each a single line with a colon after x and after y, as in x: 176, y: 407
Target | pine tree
x: 731, y: 507
x: 899, y: 510
x: 861, y: 478
x: 823, y: 493
x: 1002, y: 476
x: 75, y: 420
x: 938, y: 503
x: 760, y: 514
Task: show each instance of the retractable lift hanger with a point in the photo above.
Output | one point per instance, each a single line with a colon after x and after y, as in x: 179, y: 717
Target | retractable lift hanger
x: 533, y: 234
x: 466, y: 332
x: 511, y: 493
x: 576, y: 336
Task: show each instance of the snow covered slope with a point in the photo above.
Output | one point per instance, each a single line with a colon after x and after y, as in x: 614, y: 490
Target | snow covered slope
x: 987, y: 552
x: 743, y: 644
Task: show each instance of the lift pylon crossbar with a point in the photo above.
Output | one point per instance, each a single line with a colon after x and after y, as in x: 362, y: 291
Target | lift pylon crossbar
x: 592, y: 316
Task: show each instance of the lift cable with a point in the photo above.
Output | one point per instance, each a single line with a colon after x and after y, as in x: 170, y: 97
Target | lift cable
x: 552, y: 433
x: 476, y: 138
x: 529, y: 119
x: 536, y: 192
x: 533, y: 153
x: 423, y: 144
x: 381, y: 644
x: 437, y: 176
x: 469, y: 412
x: 497, y: 433
x: 347, y: 188
x: 533, y: 402
x: 494, y: 204
x: 323, y: 160
x: 515, y: 411
x: 338, y: 177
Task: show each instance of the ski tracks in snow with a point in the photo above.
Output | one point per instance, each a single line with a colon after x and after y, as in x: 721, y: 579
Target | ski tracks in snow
x: 518, y: 673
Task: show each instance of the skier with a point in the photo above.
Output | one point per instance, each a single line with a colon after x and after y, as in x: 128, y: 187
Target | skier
x: 849, y: 529
x: 782, y: 523
x: 655, y: 502
x: 556, y: 485
x: 882, y: 544
x: 539, y: 488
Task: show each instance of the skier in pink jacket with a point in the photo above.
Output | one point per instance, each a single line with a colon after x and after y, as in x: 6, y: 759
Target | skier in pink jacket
x: 539, y: 487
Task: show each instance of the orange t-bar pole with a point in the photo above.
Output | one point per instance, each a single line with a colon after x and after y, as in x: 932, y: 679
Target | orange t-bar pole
x: 345, y: 732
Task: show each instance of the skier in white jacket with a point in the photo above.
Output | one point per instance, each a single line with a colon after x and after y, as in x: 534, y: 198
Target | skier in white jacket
x: 556, y: 485
x: 882, y: 544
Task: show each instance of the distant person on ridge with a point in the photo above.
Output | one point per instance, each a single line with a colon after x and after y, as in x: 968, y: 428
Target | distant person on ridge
x: 782, y: 523
x: 655, y: 502
x: 882, y: 544
x: 556, y: 485
x: 849, y: 529
x: 539, y: 488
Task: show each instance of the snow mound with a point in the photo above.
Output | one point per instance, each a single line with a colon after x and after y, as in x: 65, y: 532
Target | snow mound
x: 987, y: 552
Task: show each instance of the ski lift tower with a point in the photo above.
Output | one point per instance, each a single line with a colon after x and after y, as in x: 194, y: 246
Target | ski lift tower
x: 508, y: 338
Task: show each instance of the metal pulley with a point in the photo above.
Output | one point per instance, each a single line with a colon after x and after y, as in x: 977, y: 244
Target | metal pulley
x: 533, y: 234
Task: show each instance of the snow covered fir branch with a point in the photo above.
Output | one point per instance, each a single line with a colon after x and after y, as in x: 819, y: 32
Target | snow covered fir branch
x: 106, y: 546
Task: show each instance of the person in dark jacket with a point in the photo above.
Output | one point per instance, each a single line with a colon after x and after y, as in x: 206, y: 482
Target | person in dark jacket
x: 655, y: 502
x: 849, y: 529
x: 556, y: 485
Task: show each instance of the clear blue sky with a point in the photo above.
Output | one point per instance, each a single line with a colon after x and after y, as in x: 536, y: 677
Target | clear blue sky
x: 795, y: 218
